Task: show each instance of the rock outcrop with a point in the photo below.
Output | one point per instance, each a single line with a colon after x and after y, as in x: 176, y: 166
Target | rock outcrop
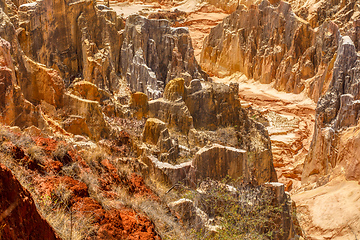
x: 91, y: 112
x: 269, y: 43
x: 153, y: 53
x: 337, y: 114
x: 73, y: 47
x: 242, y: 43
x: 213, y: 199
x: 218, y: 162
x: 19, y: 217
x: 199, y: 116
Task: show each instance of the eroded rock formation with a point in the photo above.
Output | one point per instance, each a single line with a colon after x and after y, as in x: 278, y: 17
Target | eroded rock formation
x: 195, y: 117
x: 337, y: 119
x: 62, y: 77
x: 153, y: 53
x: 271, y: 44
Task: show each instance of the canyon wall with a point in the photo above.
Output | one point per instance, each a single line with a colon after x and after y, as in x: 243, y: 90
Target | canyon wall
x: 336, y: 128
x: 273, y: 43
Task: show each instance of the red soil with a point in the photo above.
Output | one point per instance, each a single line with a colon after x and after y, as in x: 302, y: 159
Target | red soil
x: 116, y: 223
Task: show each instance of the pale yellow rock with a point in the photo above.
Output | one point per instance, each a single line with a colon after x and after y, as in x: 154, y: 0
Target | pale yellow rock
x: 175, y: 89
x: 153, y: 128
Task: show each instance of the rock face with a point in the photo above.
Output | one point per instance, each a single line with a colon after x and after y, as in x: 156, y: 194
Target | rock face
x: 19, y: 217
x: 153, y: 53
x: 91, y: 112
x: 199, y: 115
x: 269, y: 43
x: 335, y: 138
x: 217, y: 162
x: 15, y: 108
x: 241, y: 42
x: 72, y: 47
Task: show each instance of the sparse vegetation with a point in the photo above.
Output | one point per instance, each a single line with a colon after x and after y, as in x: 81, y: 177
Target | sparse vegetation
x: 237, y: 211
x: 107, y: 180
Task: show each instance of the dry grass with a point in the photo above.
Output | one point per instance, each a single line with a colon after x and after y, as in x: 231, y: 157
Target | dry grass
x: 55, y: 208
x: 70, y: 225
x: 52, y: 208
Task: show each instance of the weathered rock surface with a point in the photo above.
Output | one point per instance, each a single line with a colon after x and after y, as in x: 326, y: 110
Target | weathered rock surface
x: 73, y: 47
x: 139, y: 102
x: 217, y: 162
x: 152, y: 130
x: 91, y: 112
x: 19, y: 217
x: 337, y: 116
x: 330, y: 211
x: 242, y: 43
x: 206, y: 113
x: 269, y: 43
x: 175, y: 114
x: 153, y: 53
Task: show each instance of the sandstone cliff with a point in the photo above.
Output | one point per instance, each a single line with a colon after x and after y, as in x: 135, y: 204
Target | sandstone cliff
x: 205, y: 118
x: 272, y: 44
x: 335, y: 137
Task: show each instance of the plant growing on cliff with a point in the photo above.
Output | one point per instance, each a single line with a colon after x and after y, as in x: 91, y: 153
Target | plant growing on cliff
x: 242, y: 211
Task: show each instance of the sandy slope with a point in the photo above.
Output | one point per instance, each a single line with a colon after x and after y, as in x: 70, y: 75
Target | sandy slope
x: 331, y: 211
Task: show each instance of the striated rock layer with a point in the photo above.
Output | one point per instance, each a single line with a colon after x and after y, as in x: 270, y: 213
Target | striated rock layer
x: 271, y: 44
x: 335, y: 139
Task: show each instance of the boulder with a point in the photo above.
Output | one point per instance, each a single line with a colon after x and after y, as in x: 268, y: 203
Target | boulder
x: 77, y: 125
x: 87, y: 90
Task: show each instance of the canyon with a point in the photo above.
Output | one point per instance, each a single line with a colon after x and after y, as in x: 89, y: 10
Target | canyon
x: 179, y: 119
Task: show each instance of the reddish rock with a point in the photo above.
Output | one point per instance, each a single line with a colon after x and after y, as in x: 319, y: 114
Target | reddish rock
x: 19, y: 218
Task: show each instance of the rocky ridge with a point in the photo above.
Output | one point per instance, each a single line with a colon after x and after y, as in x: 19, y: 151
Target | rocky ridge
x: 18, y: 210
